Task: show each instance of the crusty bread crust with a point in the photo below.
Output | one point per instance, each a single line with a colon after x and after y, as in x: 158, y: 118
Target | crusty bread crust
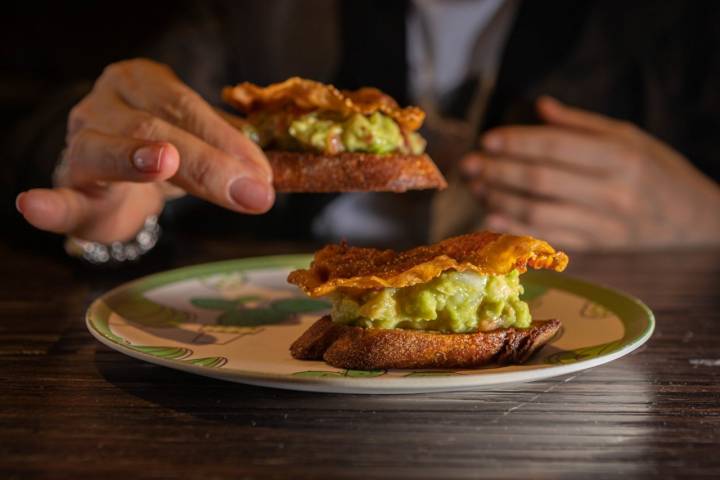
x: 358, y: 348
x: 352, y: 172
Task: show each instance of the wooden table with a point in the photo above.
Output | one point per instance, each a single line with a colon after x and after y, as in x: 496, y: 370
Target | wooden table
x: 72, y: 408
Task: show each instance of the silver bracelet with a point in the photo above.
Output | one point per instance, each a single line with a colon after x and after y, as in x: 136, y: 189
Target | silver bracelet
x: 117, y: 252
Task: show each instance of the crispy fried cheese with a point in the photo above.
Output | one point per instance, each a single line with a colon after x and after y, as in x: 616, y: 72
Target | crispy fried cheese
x: 336, y: 266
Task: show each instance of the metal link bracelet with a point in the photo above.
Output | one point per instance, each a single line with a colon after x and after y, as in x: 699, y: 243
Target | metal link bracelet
x: 116, y: 252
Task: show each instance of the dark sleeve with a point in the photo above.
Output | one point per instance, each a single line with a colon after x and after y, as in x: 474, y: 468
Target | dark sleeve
x: 681, y: 74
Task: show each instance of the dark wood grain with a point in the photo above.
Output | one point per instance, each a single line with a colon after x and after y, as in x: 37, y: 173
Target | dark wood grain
x: 71, y: 408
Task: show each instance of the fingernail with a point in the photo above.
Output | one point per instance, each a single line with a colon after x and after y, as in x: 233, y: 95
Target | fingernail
x: 17, y: 202
x: 492, y: 142
x: 148, y: 159
x: 251, y: 194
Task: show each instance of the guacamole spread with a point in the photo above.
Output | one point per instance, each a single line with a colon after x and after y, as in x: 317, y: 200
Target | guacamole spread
x: 453, y: 302
x: 327, y: 132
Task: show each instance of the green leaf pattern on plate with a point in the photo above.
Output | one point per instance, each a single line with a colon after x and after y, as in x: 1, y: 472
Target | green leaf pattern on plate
x: 215, y: 303
x: 231, y: 329
x: 180, y: 353
x: 175, y: 353
x: 139, y: 309
x: 251, y: 317
x: 235, y: 313
x: 211, y: 362
x: 585, y: 353
x: 299, y: 305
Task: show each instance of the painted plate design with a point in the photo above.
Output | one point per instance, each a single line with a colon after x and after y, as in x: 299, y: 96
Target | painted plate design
x: 235, y: 321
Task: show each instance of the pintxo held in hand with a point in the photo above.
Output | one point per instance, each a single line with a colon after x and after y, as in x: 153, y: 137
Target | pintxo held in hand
x: 320, y: 139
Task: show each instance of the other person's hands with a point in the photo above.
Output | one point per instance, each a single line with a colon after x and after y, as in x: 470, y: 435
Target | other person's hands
x: 138, y: 138
x: 586, y: 180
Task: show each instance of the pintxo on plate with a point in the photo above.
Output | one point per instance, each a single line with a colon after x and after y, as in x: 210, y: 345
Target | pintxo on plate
x: 454, y: 304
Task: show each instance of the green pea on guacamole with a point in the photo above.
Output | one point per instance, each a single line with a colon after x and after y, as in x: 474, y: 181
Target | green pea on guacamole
x: 453, y: 302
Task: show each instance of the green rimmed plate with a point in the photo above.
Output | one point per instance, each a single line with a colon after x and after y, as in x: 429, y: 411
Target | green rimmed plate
x: 235, y: 320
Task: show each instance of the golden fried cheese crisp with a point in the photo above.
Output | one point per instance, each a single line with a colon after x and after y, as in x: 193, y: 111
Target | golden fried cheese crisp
x: 308, y: 95
x: 342, y: 266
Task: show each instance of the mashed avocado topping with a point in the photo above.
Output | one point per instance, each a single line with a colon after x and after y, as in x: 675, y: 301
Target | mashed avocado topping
x: 326, y: 132
x: 453, y: 302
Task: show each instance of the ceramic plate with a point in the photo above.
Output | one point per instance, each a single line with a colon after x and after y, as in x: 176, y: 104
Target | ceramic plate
x: 235, y: 321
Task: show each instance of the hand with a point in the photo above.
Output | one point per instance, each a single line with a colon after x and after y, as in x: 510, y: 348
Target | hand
x: 586, y: 180
x: 140, y: 136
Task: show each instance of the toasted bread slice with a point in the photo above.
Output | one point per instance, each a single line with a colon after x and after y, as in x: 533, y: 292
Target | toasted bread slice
x: 358, y: 348
x: 353, y: 172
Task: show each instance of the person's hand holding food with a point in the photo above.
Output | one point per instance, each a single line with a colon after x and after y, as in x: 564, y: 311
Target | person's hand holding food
x: 139, y: 137
x: 587, y: 180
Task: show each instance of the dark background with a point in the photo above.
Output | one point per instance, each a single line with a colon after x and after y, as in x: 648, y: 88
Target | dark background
x: 46, y: 44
